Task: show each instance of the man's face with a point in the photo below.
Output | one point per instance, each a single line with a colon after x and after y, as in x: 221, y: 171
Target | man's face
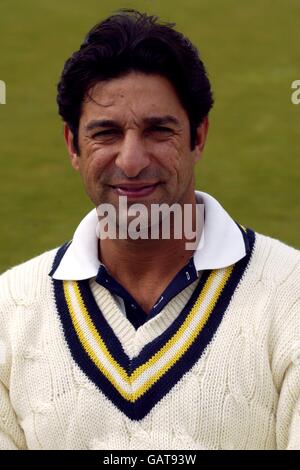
x: 134, y: 140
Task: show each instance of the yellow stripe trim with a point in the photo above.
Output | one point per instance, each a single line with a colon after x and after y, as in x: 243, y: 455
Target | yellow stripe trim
x: 85, y: 343
x: 179, y: 333
x: 134, y: 376
x: 154, y: 378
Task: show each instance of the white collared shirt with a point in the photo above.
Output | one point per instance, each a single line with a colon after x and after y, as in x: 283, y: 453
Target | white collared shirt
x: 221, y: 243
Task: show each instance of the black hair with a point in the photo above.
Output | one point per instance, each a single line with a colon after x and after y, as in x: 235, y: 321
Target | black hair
x: 133, y: 41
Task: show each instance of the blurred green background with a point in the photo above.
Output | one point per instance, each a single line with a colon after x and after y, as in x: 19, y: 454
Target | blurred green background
x: 251, y: 163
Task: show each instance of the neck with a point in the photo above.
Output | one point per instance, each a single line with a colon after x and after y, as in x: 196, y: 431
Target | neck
x: 140, y: 258
x: 148, y: 259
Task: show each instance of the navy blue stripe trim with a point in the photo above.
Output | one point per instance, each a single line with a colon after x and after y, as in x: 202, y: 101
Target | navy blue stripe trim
x: 151, y: 348
x: 142, y: 406
x: 58, y: 257
x: 245, y: 236
x: 81, y: 357
x: 113, y: 343
x: 145, y: 403
x: 107, y: 333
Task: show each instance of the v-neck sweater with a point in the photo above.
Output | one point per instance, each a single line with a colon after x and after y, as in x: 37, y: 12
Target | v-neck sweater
x: 217, y: 368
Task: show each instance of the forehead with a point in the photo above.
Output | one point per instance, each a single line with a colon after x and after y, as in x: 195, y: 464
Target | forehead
x: 133, y: 95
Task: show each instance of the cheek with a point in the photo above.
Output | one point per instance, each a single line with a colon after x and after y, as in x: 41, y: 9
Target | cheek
x: 98, y: 153
x: 96, y: 162
x: 183, y: 167
x: 178, y: 164
x: 168, y: 156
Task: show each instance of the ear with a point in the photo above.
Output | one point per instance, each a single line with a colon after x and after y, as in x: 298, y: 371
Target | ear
x: 69, y: 139
x: 201, y: 135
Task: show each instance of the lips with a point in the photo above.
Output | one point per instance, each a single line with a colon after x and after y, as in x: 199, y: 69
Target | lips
x: 135, y: 190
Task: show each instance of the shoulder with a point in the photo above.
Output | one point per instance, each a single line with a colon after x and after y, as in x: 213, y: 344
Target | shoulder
x: 27, y: 281
x: 277, y: 296
x: 276, y: 261
x: 275, y: 277
x: 22, y: 288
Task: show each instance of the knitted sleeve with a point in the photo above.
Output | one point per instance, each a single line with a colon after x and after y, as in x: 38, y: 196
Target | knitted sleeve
x: 288, y: 416
x: 11, y: 434
x: 286, y: 363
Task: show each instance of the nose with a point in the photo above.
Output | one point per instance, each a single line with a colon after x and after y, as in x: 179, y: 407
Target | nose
x: 132, y: 157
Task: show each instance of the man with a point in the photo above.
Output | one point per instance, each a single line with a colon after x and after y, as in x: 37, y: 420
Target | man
x: 138, y: 342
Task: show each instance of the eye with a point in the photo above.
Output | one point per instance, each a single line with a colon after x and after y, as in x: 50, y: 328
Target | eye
x: 160, y: 129
x: 160, y: 133
x: 106, y: 133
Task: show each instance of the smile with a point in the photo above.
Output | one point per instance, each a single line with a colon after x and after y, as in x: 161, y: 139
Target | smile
x: 135, y: 190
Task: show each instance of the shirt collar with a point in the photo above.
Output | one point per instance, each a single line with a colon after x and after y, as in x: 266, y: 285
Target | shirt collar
x: 221, y: 243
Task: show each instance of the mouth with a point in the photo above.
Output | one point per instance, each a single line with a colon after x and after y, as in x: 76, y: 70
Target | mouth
x: 135, y: 190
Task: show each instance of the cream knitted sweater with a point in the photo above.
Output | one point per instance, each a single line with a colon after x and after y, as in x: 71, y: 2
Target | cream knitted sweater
x: 218, y: 368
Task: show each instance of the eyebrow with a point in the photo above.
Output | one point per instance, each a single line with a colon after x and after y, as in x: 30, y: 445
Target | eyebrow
x: 100, y: 123
x: 149, y: 121
x: 161, y: 120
